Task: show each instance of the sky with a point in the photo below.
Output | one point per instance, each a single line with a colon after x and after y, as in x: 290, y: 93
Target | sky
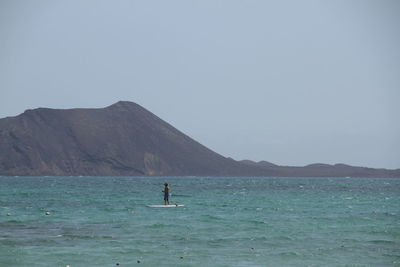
x: 289, y: 82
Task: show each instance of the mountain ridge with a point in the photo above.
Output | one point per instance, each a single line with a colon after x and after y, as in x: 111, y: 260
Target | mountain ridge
x: 125, y: 139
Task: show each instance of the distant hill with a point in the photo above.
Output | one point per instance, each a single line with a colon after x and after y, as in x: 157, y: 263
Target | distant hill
x: 326, y: 170
x: 126, y: 139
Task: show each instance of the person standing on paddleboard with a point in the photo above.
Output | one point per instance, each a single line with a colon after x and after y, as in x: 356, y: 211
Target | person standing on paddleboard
x: 166, y: 194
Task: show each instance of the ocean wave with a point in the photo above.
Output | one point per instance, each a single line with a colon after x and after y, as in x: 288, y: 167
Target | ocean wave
x: 211, y: 218
x: 397, y: 256
x: 257, y: 222
x: 160, y: 225
x: 381, y: 241
x: 290, y: 254
x: 85, y: 237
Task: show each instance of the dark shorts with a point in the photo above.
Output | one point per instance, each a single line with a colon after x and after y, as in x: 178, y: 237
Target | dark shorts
x: 166, y: 196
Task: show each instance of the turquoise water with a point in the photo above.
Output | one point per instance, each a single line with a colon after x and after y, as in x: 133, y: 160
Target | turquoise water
x: 104, y: 221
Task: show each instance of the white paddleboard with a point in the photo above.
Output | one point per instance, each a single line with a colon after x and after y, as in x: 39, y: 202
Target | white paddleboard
x: 165, y: 206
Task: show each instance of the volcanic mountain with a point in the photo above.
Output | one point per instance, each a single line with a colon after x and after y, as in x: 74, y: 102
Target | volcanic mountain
x: 125, y: 139
x: 122, y: 139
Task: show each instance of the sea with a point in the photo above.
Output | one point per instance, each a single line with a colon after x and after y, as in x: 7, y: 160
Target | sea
x: 226, y: 221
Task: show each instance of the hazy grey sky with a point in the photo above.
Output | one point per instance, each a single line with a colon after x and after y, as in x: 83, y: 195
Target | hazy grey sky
x: 291, y: 82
